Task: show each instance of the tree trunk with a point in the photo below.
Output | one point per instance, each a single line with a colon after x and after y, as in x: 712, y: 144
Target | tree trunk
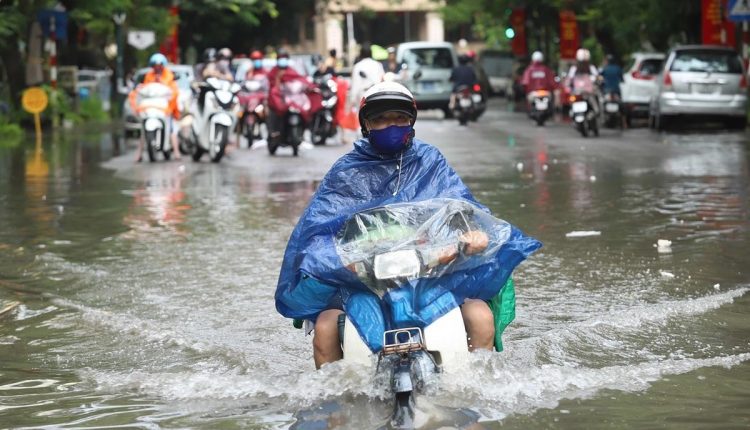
x: 14, y: 68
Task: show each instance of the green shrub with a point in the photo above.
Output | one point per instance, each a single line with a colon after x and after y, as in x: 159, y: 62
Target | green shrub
x: 90, y: 109
x: 10, y: 134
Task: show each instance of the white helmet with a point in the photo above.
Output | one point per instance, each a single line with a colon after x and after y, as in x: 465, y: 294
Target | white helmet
x: 386, y: 96
x: 537, y: 57
x: 583, y: 54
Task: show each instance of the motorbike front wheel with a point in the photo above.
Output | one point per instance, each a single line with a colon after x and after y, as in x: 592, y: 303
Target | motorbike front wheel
x: 320, y: 130
x: 150, y: 142
x: 217, y: 148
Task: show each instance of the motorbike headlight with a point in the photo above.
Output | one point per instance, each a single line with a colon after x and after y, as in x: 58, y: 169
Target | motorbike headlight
x: 397, y: 264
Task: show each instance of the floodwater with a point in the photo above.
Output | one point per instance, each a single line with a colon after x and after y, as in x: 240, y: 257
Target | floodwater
x: 146, y: 291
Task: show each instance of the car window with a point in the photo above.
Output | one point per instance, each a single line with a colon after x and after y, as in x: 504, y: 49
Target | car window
x: 429, y: 58
x: 706, y: 61
x: 650, y: 66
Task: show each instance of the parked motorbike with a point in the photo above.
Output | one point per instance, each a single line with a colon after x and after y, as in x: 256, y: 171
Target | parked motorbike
x: 401, y: 252
x: 540, y: 106
x: 323, y: 103
x: 463, y: 104
x: 252, y: 99
x: 612, y: 110
x: 290, y: 112
x: 212, y: 118
x: 151, y: 105
x: 584, y: 109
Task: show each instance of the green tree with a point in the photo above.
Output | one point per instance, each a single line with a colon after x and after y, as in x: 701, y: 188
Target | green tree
x: 620, y: 27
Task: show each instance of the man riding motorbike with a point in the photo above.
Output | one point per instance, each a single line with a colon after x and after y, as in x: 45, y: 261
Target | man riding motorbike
x: 256, y: 69
x: 278, y: 75
x: 462, y: 75
x: 221, y: 68
x: 387, y: 165
x: 537, y: 76
x: 584, y: 69
x: 161, y: 74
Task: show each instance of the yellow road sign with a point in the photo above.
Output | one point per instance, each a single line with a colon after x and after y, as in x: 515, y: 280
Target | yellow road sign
x: 34, y: 100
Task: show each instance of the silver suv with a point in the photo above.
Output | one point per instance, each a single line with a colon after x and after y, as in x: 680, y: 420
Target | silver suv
x: 426, y: 72
x: 701, y: 80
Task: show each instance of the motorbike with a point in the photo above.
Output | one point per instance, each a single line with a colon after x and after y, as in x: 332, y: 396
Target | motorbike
x: 540, y: 106
x: 463, y: 104
x: 612, y: 110
x: 151, y: 105
x: 583, y: 109
x: 402, y: 253
x: 212, y: 118
x: 324, y: 102
x: 252, y: 99
x: 291, y: 112
x: 480, y: 103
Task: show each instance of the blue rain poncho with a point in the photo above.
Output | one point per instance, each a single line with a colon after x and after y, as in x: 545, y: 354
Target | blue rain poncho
x: 314, y: 278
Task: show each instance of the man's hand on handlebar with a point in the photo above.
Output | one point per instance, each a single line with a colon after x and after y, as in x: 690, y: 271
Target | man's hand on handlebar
x: 474, y: 241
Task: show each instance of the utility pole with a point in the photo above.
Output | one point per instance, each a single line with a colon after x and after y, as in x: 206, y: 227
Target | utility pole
x: 119, y: 19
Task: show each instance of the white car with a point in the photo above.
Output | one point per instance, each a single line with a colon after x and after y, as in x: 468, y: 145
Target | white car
x: 640, y: 85
x: 183, y: 75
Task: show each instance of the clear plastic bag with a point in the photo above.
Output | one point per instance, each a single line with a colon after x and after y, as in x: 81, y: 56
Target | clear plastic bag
x: 391, y: 245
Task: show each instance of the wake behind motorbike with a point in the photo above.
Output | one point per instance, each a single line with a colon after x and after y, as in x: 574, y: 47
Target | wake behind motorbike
x: 289, y: 114
x: 212, y: 118
x: 584, y: 110
x: 152, y: 105
x: 252, y: 99
x: 540, y: 106
x: 402, y: 252
x: 323, y: 103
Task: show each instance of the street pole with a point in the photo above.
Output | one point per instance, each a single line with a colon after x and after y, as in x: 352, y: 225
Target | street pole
x: 119, y: 19
x: 53, y: 69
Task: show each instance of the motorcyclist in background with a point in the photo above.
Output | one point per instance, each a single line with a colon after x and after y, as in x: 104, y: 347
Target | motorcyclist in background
x: 279, y: 74
x: 209, y: 56
x: 537, y: 76
x: 221, y: 68
x: 461, y: 75
x: 611, y: 74
x: 159, y: 73
x: 583, y: 68
x: 256, y: 69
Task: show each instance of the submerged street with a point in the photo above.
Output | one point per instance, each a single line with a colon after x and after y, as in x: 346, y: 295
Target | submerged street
x: 146, y: 290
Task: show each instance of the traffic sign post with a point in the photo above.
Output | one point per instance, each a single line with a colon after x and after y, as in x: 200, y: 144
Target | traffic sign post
x: 34, y: 101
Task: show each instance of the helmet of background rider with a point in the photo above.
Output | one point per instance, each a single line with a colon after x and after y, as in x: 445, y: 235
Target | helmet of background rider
x: 387, y: 96
x: 581, y: 55
x: 158, y: 61
x: 537, y: 57
x: 224, y: 54
x: 257, y: 58
x: 209, y: 55
x: 472, y: 55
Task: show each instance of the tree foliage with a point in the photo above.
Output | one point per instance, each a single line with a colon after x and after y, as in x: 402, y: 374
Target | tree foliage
x: 619, y: 26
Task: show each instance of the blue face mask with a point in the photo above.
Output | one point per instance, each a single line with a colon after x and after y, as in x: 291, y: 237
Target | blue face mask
x: 257, y: 64
x: 283, y: 63
x: 391, y: 139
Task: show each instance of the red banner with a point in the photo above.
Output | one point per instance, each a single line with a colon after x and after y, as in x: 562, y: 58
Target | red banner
x: 170, y: 47
x: 715, y: 27
x: 569, y: 36
x: 518, y: 22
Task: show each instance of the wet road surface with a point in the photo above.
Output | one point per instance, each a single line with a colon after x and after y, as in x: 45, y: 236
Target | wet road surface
x: 145, y: 291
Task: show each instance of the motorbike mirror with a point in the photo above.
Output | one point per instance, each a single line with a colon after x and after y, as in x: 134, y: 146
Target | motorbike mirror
x: 417, y: 74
